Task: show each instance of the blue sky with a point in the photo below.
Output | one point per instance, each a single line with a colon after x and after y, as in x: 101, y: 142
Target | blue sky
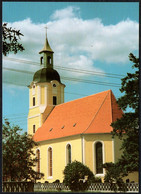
x: 91, y: 36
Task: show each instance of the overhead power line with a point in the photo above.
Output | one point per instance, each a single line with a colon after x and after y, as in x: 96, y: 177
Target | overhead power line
x: 19, y: 84
x: 70, y: 78
x: 18, y: 70
x: 71, y: 93
x: 22, y: 118
x: 23, y: 113
x: 91, y: 82
x: 110, y: 75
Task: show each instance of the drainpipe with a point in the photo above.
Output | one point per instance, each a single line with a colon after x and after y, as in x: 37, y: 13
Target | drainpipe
x: 113, y: 148
x: 83, y: 148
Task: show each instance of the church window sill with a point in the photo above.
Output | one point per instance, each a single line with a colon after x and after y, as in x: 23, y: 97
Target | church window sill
x: 50, y: 177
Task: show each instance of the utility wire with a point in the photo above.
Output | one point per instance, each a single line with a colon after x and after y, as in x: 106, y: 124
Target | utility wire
x: 23, y: 113
x: 91, y: 81
x: 6, y: 82
x: 111, y: 75
x: 16, y: 117
x: 71, y: 93
x: 19, y: 118
x: 70, y: 79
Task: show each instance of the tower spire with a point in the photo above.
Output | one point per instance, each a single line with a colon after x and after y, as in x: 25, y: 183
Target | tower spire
x: 46, y: 47
x: 46, y: 30
x: 46, y: 59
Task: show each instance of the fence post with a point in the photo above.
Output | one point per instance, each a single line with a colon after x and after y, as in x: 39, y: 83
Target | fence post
x: 30, y: 187
x: 18, y: 187
x: 93, y: 187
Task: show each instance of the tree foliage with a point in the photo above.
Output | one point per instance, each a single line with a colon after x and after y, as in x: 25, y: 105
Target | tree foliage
x: 113, y: 173
x: 113, y: 176
x: 10, y: 39
x: 18, y: 156
x: 129, y: 123
x: 78, y: 176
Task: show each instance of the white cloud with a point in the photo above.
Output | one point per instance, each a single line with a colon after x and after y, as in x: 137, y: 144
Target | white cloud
x: 68, y: 12
x: 78, y: 43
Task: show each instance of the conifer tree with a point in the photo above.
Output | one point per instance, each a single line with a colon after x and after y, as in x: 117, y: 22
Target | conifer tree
x: 129, y: 123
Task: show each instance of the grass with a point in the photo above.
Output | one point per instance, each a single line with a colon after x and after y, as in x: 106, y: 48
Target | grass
x: 64, y: 191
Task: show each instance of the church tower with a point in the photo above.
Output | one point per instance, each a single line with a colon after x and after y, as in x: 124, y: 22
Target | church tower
x: 45, y: 91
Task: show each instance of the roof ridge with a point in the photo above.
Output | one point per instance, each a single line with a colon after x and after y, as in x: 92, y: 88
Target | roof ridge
x: 82, y: 98
x: 111, y: 107
x: 97, y: 111
x: 113, y: 98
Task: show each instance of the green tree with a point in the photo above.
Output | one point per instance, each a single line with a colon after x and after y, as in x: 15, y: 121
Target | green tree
x: 78, y: 176
x: 113, y: 176
x: 129, y: 123
x: 18, y: 156
x: 10, y: 40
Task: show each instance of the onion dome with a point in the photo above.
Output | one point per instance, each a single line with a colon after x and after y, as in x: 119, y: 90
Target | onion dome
x: 46, y: 75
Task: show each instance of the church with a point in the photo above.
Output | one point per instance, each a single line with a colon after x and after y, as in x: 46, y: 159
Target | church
x: 76, y: 130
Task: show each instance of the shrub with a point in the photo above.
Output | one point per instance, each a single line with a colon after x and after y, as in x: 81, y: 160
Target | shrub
x: 77, y: 176
x: 57, y: 181
x: 98, y: 180
x: 112, y: 173
x: 113, y: 176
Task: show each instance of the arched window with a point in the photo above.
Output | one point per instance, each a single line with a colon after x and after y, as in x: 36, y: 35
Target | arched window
x: 54, y: 100
x: 99, y: 158
x: 49, y: 60
x: 34, y: 128
x: 38, y: 160
x: 41, y: 60
x: 50, y: 162
x: 68, y: 153
x: 33, y: 101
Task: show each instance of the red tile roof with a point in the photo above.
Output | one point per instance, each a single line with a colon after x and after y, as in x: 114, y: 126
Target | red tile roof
x: 92, y: 114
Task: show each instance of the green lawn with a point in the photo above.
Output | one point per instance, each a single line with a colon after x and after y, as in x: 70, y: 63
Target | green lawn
x: 55, y: 191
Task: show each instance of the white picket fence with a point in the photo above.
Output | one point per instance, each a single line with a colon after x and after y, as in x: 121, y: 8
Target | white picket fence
x: 17, y: 186
x: 102, y: 187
